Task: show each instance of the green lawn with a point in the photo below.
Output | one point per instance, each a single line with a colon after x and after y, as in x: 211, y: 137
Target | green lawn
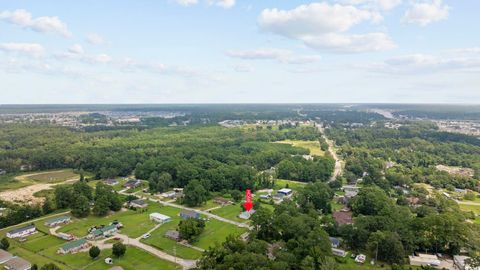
x: 41, y: 243
x: 281, y: 183
x: 8, y: 182
x: 136, y: 223
x: 216, y: 232
x: 209, y: 204
x: 134, y: 259
x: 312, y: 146
x: 75, y: 261
x: 468, y: 207
x: 229, y: 212
x: 35, y: 258
x: 52, y: 176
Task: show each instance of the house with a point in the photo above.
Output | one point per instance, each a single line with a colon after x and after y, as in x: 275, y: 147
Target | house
x: 285, y: 192
x: 246, y: 214
x: 157, y: 217
x: 5, y: 256
x: 186, y: 214
x: 17, y: 263
x: 424, y: 260
x: 58, y: 221
x: 131, y: 184
x: 339, y: 252
x: 222, y: 201
x: 105, y: 231
x: 174, y: 235
x: 22, y: 232
x: 139, y: 203
x: 350, y: 190
x: 343, y: 217
x: 73, y: 246
x: 111, y: 181
x: 335, y: 242
x: 265, y: 197
x: 65, y: 236
x: 459, y: 262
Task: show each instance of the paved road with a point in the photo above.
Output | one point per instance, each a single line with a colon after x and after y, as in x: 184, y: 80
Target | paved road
x: 210, y: 215
x: 186, y: 264
x: 331, y: 148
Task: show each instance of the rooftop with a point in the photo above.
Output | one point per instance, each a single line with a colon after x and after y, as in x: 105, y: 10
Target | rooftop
x: 21, y: 229
x: 74, y: 244
x: 17, y: 263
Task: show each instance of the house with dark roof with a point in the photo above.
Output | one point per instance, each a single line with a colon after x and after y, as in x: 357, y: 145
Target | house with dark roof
x: 343, y: 217
x: 138, y: 203
x: 174, y: 235
x: 17, y: 263
x: 53, y: 222
x: 222, y: 201
x: 186, y: 214
x: 73, y: 246
x: 111, y: 181
x: 5, y: 256
x: 105, y: 231
x: 22, y: 232
x: 131, y: 184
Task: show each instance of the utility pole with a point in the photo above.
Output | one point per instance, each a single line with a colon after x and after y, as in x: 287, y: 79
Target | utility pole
x: 376, y: 254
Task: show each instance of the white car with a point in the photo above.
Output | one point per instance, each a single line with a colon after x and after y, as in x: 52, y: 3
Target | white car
x: 360, y: 258
x: 147, y: 235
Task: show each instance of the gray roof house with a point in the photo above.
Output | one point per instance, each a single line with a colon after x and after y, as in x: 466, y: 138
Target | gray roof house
x: 5, y: 256
x: 22, y: 232
x: 57, y: 221
x: 174, y: 235
x: 17, y: 263
x: 189, y: 214
x: 139, y: 203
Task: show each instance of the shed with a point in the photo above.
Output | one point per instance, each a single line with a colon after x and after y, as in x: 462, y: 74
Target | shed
x: 157, y: 217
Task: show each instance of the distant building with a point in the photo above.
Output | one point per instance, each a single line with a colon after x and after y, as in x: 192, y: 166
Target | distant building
x: 424, y: 260
x: 17, y: 263
x: 285, y: 192
x: 5, y: 256
x: 186, y: 214
x: 246, y: 214
x: 174, y: 235
x: 350, y: 191
x: 65, y: 236
x: 111, y: 181
x: 459, y: 262
x: 53, y: 222
x: 339, y: 252
x: 139, y: 203
x: 221, y: 201
x: 105, y: 231
x: 22, y: 232
x: 73, y: 247
x: 157, y: 217
x: 343, y: 217
x: 131, y: 184
x: 335, y: 242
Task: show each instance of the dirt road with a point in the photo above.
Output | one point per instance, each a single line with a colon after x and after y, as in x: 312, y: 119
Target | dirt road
x: 331, y: 149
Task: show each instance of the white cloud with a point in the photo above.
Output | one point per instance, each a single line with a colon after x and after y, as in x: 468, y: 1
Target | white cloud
x: 222, y: 3
x: 324, y: 26
x: 76, y: 49
x: 32, y: 49
x: 187, y: 2
x: 95, y: 39
x: 424, y: 13
x: 243, y: 68
x: 467, y: 59
x: 383, y: 5
x: 283, y: 56
x: 43, y: 24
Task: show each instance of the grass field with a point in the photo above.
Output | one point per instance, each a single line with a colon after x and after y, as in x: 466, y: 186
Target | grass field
x: 134, y: 259
x: 312, y: 146
x: 469, y: 207
x: 51, y: 177
x: 136, y: 223
x: 281, y: 183
x: 8, y: 182
x: 229, y: 212
x: 216, y: 232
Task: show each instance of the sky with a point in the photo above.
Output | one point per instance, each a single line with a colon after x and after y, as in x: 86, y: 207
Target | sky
x: 239, y: 51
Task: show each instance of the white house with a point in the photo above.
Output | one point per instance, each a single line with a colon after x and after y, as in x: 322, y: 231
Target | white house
x: 22, y: 232
x: 157, y: 217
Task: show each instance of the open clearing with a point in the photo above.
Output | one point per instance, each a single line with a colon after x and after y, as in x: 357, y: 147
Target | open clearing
x: 313, y: 146
x: 21, y: 189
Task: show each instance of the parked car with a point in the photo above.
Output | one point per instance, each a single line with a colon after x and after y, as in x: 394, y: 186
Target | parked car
x: 147, y: 235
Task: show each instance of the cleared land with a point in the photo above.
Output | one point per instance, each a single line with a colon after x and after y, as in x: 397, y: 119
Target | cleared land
x: 312, y: 146
x: 50, y: 177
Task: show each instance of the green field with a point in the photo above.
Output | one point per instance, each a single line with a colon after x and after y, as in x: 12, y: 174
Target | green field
x: 134, y: 259
x: 469, y: 207
x: 281, y: 183
x: 216, y: 232
x: 229, y: 212
x: 8, y: 182
x: 51, y: 177
x: 312, y: 146
x: 136, y: 223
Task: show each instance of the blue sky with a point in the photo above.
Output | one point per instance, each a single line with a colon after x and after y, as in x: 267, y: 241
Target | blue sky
x: 215, y: 51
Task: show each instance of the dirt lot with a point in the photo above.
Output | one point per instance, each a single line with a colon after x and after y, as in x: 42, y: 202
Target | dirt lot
x: 459, y: 171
